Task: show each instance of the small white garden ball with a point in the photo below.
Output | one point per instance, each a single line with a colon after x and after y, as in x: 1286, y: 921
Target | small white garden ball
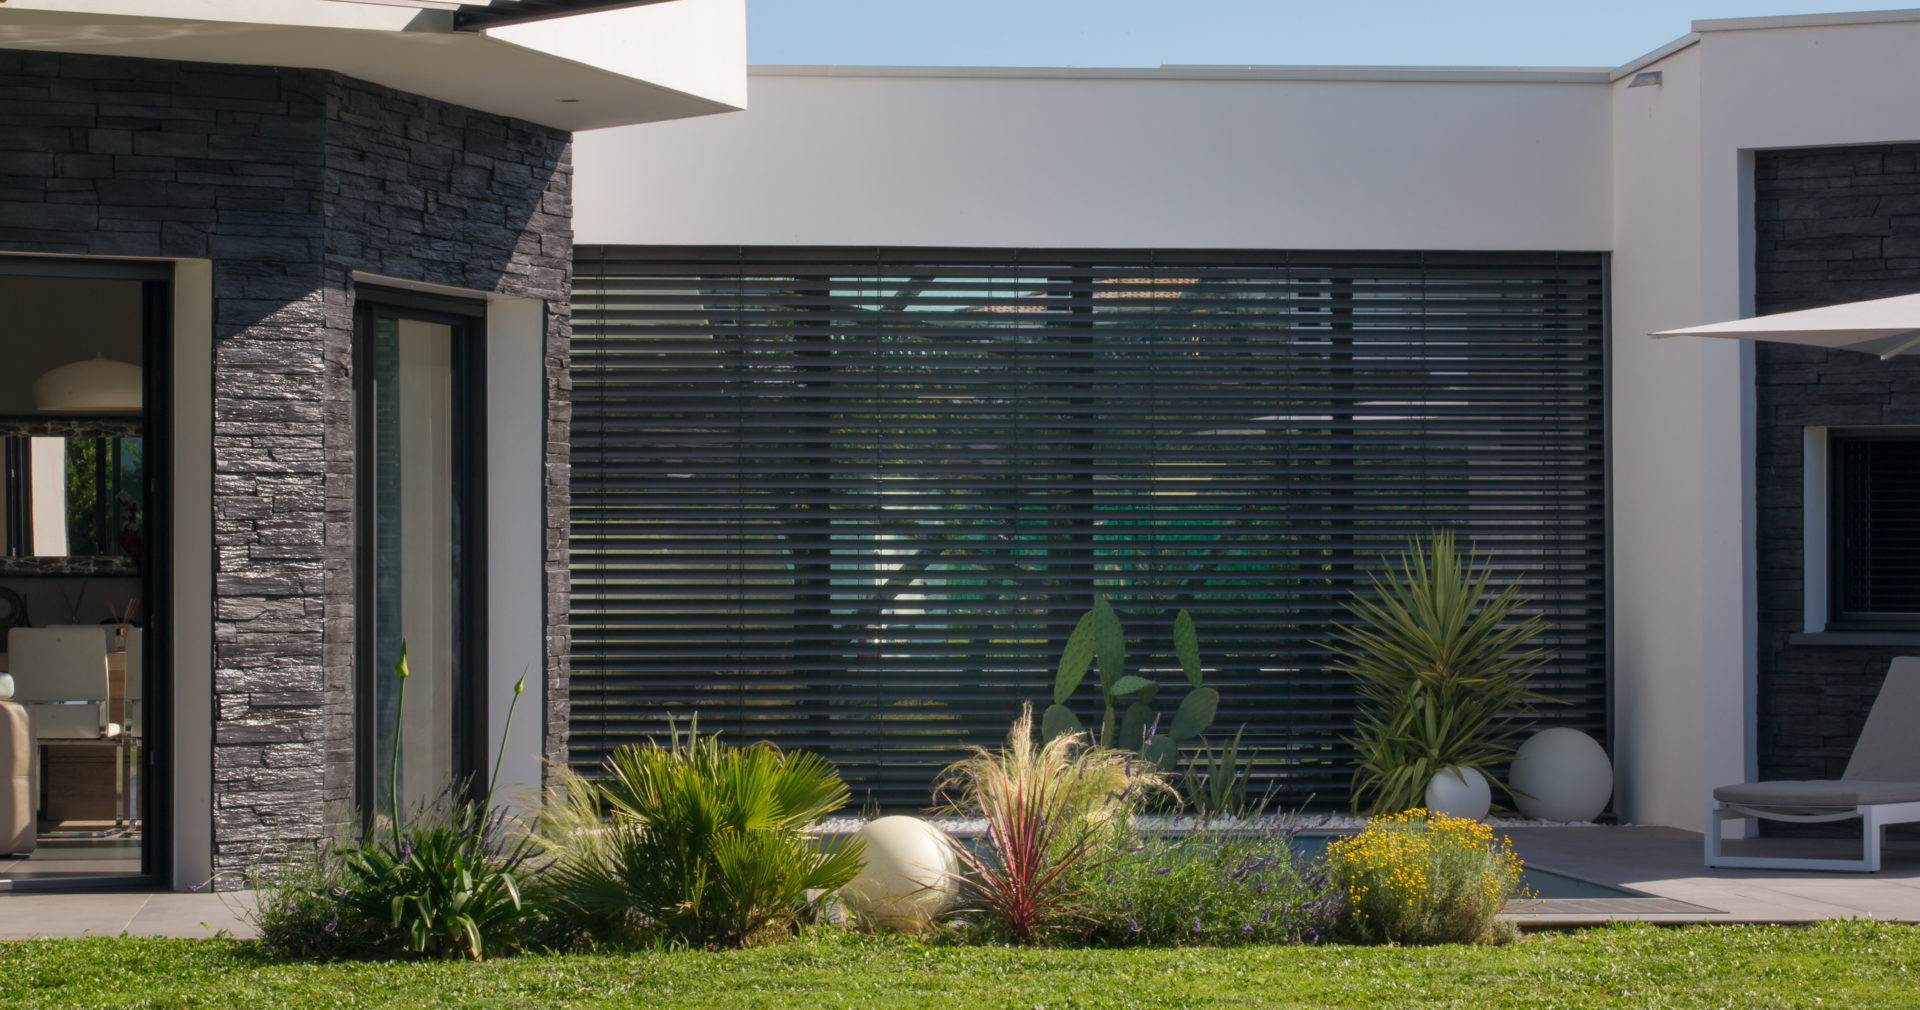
x: 1561, y: 774
x: 1462, y: 792
x: 908, y: 879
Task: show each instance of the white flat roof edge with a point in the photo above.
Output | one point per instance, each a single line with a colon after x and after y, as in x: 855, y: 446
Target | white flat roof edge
x: 1806, y: 20
x: 1636, y: 64
x: 1445, y: 75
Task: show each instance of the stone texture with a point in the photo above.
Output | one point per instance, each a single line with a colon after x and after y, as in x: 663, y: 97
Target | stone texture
x: 1832, y: 225
x: 291, y: 180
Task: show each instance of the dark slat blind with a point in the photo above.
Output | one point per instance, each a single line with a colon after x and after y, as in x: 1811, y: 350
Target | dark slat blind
x: 853, y: 500
x: 1879, y: 525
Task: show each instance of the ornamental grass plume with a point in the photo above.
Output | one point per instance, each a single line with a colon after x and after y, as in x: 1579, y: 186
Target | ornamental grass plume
x: 1417, y: 877
x: 1049, y: 809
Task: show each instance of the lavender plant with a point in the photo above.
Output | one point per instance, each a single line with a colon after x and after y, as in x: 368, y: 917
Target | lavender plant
x: 1209, y: 888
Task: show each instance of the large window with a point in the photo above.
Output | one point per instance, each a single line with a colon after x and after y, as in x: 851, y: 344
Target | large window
x: 853, y: 500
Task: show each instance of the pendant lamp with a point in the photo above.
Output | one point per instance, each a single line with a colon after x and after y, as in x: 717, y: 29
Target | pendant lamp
x: 92, y: 386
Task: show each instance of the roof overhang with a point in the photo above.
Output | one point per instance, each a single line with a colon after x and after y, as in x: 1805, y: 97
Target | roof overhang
x: 574, y: 70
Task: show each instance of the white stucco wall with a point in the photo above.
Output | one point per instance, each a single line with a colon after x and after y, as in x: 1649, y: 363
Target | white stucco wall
x: 1685, y: 646
x: 1112, y: 159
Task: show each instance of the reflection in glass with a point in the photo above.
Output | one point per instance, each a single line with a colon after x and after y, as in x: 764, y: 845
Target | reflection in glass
x: 414, y: 565
x: 75, y: 496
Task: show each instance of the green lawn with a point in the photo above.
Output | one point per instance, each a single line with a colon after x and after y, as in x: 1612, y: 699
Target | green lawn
x: 1835, y: 965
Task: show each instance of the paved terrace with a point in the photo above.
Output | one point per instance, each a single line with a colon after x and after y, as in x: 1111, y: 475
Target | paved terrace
x: 1664, y: 863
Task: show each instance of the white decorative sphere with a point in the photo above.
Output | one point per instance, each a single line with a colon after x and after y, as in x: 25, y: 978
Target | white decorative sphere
x: 1561, y: 774
x: 1462, y: 792
x: 909, y: 877
x: 6, y: 686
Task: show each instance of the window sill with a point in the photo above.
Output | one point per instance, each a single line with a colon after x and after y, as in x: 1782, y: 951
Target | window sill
x: 1855, y: 638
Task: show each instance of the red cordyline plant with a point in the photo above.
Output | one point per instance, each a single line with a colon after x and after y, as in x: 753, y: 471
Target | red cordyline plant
x: 1049, y: 807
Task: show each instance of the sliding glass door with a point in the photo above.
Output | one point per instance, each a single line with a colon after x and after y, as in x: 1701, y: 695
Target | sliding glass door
x: 420, y: 567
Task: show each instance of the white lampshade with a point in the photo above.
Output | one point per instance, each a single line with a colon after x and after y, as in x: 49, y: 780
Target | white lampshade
x: 93, y: 386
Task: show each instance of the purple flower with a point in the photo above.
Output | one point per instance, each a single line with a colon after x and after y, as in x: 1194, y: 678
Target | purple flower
x: 1196, y: 924
x: 1163, y: 871
x: 331, y: 926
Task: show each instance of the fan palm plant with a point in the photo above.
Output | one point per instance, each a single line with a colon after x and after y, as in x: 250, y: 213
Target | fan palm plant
x: 1443, y: 665
x: 702, y: 844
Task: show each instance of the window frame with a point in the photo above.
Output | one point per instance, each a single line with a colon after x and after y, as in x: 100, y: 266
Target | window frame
x: 468, y: 318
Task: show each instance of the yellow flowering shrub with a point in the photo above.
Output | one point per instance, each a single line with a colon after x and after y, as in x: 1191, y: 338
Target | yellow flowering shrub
x: 1417, y: 877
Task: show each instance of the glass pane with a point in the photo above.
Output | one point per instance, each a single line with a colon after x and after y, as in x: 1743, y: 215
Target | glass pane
x: 414, y: 533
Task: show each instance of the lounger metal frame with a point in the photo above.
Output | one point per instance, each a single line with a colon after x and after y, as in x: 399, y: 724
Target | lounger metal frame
x: 1873, y: 817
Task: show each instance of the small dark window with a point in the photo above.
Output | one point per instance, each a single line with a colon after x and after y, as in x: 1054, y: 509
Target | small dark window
x: 1875, y: 517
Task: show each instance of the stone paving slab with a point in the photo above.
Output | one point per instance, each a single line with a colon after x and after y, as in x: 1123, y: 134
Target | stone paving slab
x: 33, y: 916
x: 1668, y: 863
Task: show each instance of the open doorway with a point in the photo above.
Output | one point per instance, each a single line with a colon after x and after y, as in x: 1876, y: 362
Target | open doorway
x: 82, y: 626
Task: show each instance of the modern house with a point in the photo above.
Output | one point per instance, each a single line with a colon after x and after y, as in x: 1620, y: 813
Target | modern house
x: 918, y: 358
x: 332, y: 240
x: 466, y: 324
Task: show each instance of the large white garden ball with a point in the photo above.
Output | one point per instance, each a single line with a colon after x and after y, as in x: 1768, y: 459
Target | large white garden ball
x: 1462, y: 792
x: 909, y: 877
x: 1561, y: 774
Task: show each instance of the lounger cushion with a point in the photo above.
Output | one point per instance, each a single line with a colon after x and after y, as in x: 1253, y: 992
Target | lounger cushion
x: 1835, y: 793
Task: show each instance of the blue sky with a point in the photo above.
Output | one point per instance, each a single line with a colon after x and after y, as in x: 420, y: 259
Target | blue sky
x: 1148, y: 33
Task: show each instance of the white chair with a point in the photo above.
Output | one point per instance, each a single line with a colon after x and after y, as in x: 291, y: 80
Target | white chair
x: 1881, y: 785
x: 61, y: 676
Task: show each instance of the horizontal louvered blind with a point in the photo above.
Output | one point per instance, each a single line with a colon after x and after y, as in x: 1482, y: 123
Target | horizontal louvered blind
x: 1879, y: 512
x: 853, y: 500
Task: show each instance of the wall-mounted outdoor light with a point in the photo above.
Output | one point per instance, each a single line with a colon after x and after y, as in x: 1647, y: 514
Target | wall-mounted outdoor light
x: 1645, y: 79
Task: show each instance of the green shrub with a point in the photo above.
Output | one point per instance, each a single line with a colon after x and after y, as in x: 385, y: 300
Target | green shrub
x: 297, y: 909
x: 701, y: 844
x: 442, y: 883
x: 1208, y: 888
x: 1421, y: 878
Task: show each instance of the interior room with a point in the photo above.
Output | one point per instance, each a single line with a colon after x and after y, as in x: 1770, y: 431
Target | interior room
x: 73, y: 540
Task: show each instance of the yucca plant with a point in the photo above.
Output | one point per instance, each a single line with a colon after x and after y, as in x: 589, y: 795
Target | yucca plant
x: 1049, y: 808
x: 1443, y: 665
x: 702, y: 843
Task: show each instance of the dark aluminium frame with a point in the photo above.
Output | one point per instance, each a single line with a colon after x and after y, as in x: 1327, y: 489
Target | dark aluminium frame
x: 468, y: 320
x: 155, y: 766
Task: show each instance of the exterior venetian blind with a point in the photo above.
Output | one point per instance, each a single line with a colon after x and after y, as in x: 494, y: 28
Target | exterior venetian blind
x: 853, y: 500
x: 1879, y: 519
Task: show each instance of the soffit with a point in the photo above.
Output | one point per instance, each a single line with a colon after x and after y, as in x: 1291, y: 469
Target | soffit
x: 512, y: 70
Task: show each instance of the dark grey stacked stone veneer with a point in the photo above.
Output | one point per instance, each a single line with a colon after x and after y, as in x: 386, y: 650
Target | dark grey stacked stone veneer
x: 290, y: 180
x: 1834, y: 225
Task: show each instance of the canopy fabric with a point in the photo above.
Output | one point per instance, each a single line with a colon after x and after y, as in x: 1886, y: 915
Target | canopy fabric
x: 1885, y: 326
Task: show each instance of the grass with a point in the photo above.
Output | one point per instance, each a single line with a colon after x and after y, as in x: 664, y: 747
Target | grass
x: 1849, y: 964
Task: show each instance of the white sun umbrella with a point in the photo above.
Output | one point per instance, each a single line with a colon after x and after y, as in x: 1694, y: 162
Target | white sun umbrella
x: 1888, y: 327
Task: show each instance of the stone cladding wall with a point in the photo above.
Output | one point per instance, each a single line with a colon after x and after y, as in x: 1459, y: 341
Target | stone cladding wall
x: 290, y: 180
x: 1834, y: 225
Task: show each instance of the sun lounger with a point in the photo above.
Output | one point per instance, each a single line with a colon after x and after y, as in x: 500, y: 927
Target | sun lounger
x: 1881, y: 785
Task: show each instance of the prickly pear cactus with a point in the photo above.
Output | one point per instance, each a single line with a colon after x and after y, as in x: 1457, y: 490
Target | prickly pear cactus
x: 1098, y: 640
